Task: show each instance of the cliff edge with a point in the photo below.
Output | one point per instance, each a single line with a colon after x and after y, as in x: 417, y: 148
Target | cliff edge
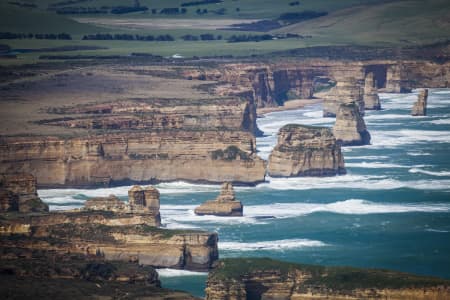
x: 264, y: 278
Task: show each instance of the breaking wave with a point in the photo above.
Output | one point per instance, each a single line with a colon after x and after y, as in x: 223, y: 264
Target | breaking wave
x: 278, y: 245
x: 178, y: 273
x: 432, y: 173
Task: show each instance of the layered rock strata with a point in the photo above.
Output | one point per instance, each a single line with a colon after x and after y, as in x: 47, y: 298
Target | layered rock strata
x: 350, y: 128
x: 108, y: 227
x: 371, y: 99
x: 214, y: 156
x: 18, y: 193
x: 144, y: 198
x: 224, y: 205
x: 40, y: 274
x: 124, y: 237
x: 420, y: 107
x: 262, y: 278
x: 306, y: 151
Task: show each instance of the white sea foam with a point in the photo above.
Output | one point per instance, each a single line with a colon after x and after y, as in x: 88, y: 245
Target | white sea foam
x: 278, y: 245
x: 260, y: 214
x: 374, y: 165
x: 368, y: 157
x: 438, y: 122
x: 436, y: 230
x: 178, y: 273
x: 418, y: 153
x: 395, y: 138
x: 352, y: 181
x: 350, y: 206
x: 432, y: 173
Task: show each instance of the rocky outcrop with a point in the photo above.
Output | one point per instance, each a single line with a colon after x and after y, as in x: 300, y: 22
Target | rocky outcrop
x: 144, y: 199
x: 114, y: 159
x: 371, y: 99
x: 28, y: 274
x: 263, y: 278
x: 306, y: 151
x: 114, y: 236
x: 350, y: 128
x: 224, y: 205
x: 110, y: 203
x: 347, y: 90
x: 420, y: 107
x: 18, y: 193
x: 109, y: 227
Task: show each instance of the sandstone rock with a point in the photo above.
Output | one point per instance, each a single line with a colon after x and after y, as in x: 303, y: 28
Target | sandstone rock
x: 263, y: 278
x: 110, y: 203
x: 393, y: 79
x: 306, y: 151
x: 347, y: 90
x: 143, y: 198
x: 350, y: 128
x: 420, y: 107
x: 371, y: 99
x: 18, y: 193
x: 113, y: 159
x: 115, y: 236
x: 224, y: 205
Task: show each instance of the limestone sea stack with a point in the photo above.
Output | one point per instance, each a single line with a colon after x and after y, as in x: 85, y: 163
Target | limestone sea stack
x: 420, y: 107
x: 224, y: 205
x: 371, y: 99
x: 306, y: 151
x: 18, y: 193
x: 350, y: 128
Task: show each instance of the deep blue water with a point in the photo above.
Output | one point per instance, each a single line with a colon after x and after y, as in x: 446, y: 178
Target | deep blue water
x: 392, y: 209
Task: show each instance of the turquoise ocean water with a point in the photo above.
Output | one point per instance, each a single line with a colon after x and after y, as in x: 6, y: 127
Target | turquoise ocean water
x: 391, y: 210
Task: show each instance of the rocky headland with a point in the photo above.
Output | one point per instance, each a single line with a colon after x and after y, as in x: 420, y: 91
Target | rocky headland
x: 420, y: 107
x: 306, y: 151
x: 193, y: 122
x: 224, y: 205
x: 350, y: 128
x: 109, y: 228
x: 263, y: 278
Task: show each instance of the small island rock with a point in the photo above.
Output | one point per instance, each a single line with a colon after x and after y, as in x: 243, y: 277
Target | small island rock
x: 224, y: 205
x: 420, y: 107
x: 306, y: 151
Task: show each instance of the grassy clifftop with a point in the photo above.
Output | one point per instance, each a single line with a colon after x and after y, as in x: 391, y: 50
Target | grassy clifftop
x: 336, y: 278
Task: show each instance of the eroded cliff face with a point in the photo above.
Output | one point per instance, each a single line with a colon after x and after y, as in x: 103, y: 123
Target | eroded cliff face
x: 135, y: 157
x: 306, y: 151
x: 18, y: 193
x: 371, y: 99
x: 253, y: 278
x: 102, y: 130
x: 273, y: 83
x: 115, y: 236
x: 350, y: 128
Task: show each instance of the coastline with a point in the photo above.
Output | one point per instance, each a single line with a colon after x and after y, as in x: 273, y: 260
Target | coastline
x: 288, y: 105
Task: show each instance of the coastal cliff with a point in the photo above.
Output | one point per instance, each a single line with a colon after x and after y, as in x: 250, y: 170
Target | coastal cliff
x: 135, y: 157
x: 263, y: 278
x: 112, y: 229
x: 306, y: 151
x: 350, y: 128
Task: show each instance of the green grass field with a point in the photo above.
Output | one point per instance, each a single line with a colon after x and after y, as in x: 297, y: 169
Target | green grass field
x: 349, y: 22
